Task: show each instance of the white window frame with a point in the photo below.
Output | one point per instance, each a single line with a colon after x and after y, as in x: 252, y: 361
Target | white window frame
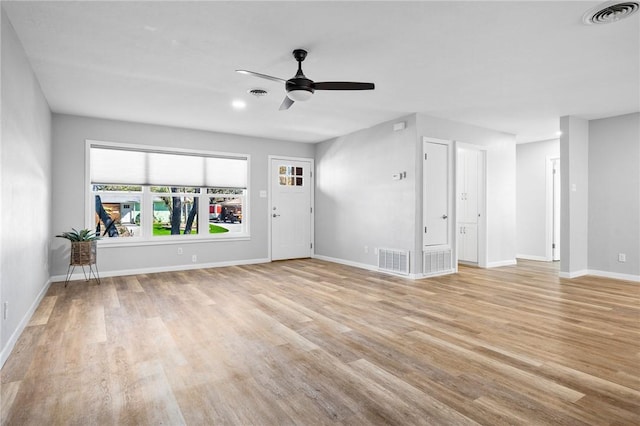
x: 146, y: 204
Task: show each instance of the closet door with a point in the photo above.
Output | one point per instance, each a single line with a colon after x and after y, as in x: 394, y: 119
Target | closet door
x: 435, y: 194
x: 467, y: 189
x: 468, y: 242
x: 467, y: 175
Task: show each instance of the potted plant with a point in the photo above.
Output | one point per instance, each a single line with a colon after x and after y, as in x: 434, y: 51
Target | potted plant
x: 83, y: 246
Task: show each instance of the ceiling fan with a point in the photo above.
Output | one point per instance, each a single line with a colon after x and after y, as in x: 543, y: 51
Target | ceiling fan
x: 300, y: 88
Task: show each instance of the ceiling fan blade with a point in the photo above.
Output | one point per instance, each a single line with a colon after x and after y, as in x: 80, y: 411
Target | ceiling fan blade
x: 265, y: 76
x: 286, y: 103
x: 342, y: 85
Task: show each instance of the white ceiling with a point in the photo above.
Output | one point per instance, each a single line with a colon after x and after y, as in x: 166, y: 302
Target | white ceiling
x: 510, y: 66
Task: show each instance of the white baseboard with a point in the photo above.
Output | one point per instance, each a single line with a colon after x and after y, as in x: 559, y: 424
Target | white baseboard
x: 106, y: 274
x: 366, y: 266
x: 615, y: 275
x: 574, y: 274
x: 346, y: 262
x: 533, y: 257
x: 500, y: 263
x: 11, y: 343
x: 438, y: 274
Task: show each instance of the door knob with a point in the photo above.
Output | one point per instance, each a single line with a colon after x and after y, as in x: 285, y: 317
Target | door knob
x: 275, y: 215
x: 444, y: 216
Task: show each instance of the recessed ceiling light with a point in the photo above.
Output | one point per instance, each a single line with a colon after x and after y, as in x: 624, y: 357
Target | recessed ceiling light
x: 238, y: 104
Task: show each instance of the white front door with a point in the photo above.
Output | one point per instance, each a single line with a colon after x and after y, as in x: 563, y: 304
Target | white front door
x: 290, y: 211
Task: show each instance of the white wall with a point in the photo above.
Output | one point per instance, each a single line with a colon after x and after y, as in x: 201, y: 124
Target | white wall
x: 614, y: 195
x: 26, y: 190
x: 358, y: 203
x: 531, y: 198
x: 574, y: 178
x: 69, y: 135
x: 500, y: 184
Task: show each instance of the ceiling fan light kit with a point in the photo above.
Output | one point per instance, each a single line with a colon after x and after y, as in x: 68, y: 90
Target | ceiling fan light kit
x: 300, y: 88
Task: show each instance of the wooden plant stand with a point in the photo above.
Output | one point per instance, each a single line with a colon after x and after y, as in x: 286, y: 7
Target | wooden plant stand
x: 83, y: 253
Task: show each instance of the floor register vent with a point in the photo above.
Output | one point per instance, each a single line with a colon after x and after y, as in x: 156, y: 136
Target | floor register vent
x: 396, y: 261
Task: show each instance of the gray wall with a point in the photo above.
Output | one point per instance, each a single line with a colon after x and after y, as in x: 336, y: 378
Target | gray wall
x: 531, y: 198
x: 358, y: 203
x: 26, y: 190
x: 500, y: 183
x: 69, y: 135
x: 614, y: 194
x: 574, y: 178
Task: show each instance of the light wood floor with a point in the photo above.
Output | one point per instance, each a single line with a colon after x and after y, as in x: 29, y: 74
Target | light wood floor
x: 308, y: 342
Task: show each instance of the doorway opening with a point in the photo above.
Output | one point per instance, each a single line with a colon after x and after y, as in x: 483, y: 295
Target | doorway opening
x: 471, y: 234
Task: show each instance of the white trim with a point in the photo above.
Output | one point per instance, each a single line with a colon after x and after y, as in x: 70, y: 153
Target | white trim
x: 438, y: 274
x: 574, y: 274
x: 532, y: 257
x: 500, y: 263
x: 174, y: 268
x: 549, y: 207
x: 548, y: 241
x: 6, y: 351
x: 372, y: 268
x: 366, y: 266
x: 614, y: 275
x: 107, y: 243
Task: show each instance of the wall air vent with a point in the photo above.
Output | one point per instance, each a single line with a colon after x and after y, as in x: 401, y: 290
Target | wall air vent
x: 395, y: 261
x: 437, y: 263
x: 611, y: 11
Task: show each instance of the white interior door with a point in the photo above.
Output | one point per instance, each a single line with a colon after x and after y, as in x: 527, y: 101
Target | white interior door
x: 469, y: 196
x: 290, y: 211
x: 555, y: 247
x: 436, y: 193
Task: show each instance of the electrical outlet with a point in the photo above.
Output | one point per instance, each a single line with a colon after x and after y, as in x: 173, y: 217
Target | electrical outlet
x: 5, y: 310
x: 375, y: 250
x: 366, y: 249
x: 194, y: 258
x: 622, y: 257
x: 179, y: 250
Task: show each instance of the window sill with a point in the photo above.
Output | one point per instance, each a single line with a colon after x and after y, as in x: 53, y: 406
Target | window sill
x: 166, y: 240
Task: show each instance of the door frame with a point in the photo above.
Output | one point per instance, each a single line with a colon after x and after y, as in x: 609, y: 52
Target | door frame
x: 482, y: 200
x: 550, y: 207
x: 270, y: 159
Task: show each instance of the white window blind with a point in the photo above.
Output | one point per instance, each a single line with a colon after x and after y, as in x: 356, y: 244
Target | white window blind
x: 114, y: 165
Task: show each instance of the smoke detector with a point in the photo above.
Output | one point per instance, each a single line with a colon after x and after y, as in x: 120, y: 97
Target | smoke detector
x: 258, y: 93
x: 611, y: 11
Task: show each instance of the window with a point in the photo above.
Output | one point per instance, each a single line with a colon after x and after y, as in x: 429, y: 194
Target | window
x: 290, y: 176
x: 157, y: 195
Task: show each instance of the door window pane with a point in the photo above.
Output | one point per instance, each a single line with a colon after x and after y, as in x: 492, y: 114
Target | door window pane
x: 290, y: 176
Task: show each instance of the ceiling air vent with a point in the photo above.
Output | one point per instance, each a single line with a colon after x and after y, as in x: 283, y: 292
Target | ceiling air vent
x: 258, y: 93
x: 611, y: 11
